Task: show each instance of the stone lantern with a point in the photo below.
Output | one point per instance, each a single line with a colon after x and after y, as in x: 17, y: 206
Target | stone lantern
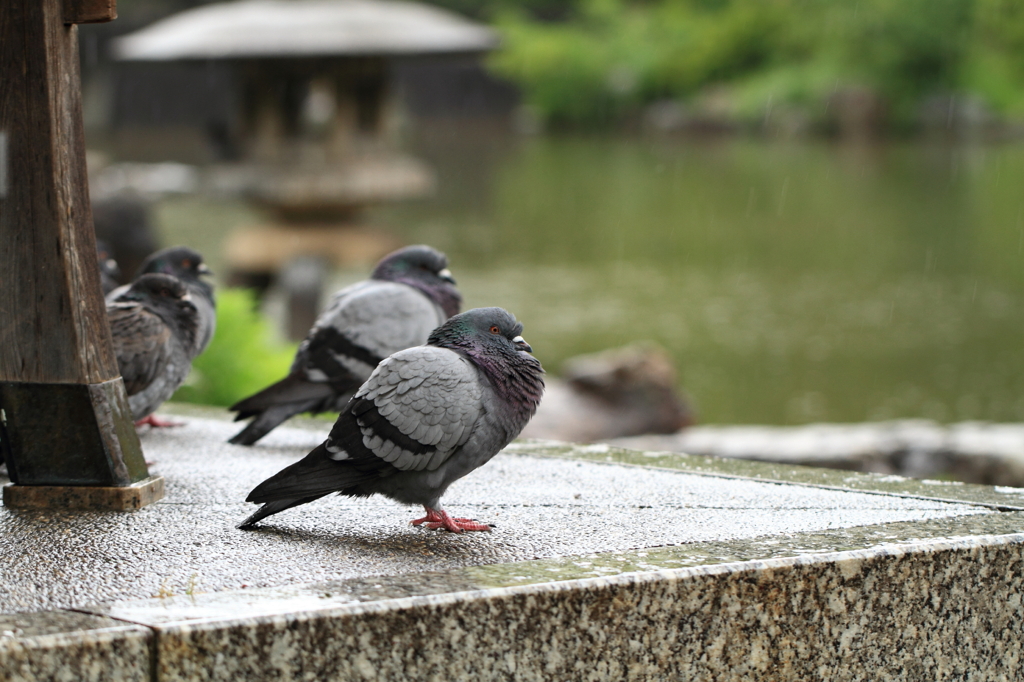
x: 316, y: 118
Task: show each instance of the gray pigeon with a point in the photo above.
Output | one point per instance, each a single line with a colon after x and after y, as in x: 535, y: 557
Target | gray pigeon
x: 409, y: 294
x: 426, y: 417
x: 187, y: 265
x: 153, y: 326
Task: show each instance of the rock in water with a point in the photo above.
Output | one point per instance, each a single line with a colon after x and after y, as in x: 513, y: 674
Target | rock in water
x: 611, y: 394
x: 426, y: 417
x: 410, y: 293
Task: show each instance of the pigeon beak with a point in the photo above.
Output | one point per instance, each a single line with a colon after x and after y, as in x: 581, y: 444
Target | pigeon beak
x: 520, y: 344
x: 203, y: 270
x: 186, y: 297
x: 446, y: 275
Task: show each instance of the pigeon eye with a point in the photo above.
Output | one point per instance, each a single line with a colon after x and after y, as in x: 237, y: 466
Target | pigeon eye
x: 495, y: 330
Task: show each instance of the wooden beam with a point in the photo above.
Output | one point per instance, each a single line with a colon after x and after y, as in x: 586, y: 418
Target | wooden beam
x: 54, y: 318
x: 64, y: 417
x: 89, y: 11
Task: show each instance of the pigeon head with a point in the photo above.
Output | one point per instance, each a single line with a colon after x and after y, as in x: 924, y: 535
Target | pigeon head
x: 491, y: 328
x: 492, y: 339
x: 184, y: 263
x: 166, y: 296
x: 424, y: 268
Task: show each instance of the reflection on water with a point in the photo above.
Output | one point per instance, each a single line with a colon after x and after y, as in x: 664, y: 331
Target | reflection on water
x: 792, y: 283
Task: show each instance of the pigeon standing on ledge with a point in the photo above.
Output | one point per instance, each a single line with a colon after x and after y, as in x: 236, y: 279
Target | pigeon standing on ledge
x: 409, y: 294
x: 426, y: 417
x: 154, y: 327
x: 187, y: 265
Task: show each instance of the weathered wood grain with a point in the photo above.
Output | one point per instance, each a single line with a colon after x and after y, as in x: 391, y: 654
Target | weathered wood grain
x: 54, y: 326
x: 89, y: 11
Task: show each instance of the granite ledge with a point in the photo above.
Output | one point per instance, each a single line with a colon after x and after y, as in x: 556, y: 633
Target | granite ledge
x: 936, y: 599
x: 73, y: 647
x: 910, y: 600
x: 906, y: 537
x: 1000, y: 498
x: 936, y: 609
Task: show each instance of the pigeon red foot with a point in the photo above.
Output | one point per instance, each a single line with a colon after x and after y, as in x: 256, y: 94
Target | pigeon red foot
x: 438, y: 518
x: 156, y: 422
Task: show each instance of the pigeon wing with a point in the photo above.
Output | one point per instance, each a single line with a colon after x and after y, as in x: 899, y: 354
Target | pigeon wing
x: 141, y: 343
x: 413, y: 412
x: 416, y: 409
x: 364, y: 324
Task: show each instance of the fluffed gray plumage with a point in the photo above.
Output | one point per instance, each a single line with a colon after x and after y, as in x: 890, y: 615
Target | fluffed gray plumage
x: 409, y: 294
x: 187, y: 265
x: 426, y: 417
x: 153, y: 325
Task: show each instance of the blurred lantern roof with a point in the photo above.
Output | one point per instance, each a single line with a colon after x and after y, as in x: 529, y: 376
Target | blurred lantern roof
x: 306, y: 28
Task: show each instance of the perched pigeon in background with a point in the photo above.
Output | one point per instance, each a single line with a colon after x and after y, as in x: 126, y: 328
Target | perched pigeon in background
x: 426, y: 417
x: 188, y: 266
x: 125, y: 223
x: 109, y: 272
x: 409, y: 294
x: 154, y: 326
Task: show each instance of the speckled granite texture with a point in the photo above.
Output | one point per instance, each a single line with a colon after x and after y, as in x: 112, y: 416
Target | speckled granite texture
x: 951, y: 612
x: 63, y: 646
x: 606, y: 565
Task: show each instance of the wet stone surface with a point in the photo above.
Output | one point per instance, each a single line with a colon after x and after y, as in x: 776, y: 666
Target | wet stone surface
x: 544, y: 508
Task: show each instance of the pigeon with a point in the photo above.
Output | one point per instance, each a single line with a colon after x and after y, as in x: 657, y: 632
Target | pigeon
x: 425, y: 418
x: 124, y: 221
x: 154, y: 325
x: 409, y: 294
x: 109, y: 272
x: 188, y: 266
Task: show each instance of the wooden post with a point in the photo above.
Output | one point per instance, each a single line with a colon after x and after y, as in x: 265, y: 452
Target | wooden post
x: 65, y: 428
x: 89, y: 11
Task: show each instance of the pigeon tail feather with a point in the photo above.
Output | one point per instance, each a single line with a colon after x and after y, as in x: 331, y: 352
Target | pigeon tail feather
x: 316, y: 475
x: 292, y: 389
x: 281, y: 401
x: 267, y: 421
x: 272, y: 508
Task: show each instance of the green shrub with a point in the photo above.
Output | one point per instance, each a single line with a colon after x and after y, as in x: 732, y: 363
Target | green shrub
x: 243, y: 357
x: 608, y: 58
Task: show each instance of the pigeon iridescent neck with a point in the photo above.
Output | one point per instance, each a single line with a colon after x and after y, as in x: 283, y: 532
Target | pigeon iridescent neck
x: 516, y: 375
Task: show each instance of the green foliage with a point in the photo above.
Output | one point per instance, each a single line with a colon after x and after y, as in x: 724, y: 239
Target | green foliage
x: 560, y: 67
x: 616, y: 55
x: 995, y: 66
x: 242, y: 358
x: 908, y: 48
x: 610, y: 57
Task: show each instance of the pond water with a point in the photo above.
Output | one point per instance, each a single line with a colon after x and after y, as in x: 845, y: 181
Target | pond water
x: 791, y: 282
